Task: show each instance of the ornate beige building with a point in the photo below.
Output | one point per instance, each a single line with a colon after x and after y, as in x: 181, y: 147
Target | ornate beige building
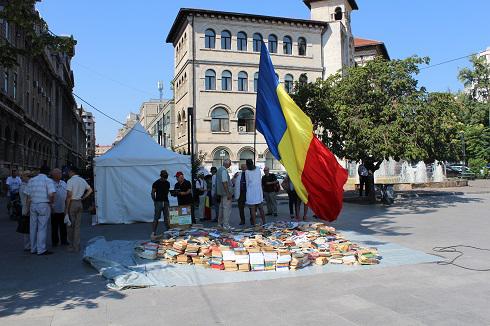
x: 39, y: 120
x: 216, y: 68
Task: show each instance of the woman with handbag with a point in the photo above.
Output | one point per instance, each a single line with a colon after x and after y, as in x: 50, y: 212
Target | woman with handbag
x: 24, y: 221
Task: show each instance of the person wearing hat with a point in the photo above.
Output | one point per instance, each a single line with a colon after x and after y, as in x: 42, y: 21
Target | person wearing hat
x: 183, y: 190
x: 159, y: 194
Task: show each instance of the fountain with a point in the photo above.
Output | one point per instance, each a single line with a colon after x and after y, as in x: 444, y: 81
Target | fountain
x: 386, y: 170
x: 421, y: 173
x: 407, y: 175
x: 437, y: 173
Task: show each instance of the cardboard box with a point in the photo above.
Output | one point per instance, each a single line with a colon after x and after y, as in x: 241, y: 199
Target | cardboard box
x: 180, y: 215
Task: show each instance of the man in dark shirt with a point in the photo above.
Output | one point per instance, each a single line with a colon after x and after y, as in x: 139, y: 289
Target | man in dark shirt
x: 183, y: 190
x: 159, y: 194
x: 269, y: 186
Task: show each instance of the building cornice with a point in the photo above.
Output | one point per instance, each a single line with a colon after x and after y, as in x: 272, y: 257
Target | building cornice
x: 184, y: 13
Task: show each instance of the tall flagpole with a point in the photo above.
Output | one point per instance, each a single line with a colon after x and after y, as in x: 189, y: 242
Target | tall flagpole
x: 255, y: 138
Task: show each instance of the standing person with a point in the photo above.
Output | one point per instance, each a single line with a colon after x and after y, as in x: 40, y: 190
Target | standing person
x: 13, y: 183
x: 371, y: 168
x: 294, y: 202
x: 269, y: 186
x: 183, y: 188
x: 225, y: 193
x: 363, y: 179
x: 255, y: 195
x: 201, y: 188
x: 24, y: 220
x: 240, y: 191
x: 208, y: 203
x: 58, y: 226
x: 215, y: 202
x: 77, y: 190
x: 159, y: 194
x: 40, y: 195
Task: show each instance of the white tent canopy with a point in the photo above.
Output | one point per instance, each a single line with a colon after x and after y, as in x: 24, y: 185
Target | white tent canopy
x: 124, y: 176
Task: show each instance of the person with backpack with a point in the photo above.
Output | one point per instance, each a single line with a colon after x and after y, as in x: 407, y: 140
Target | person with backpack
x: 201, y: 189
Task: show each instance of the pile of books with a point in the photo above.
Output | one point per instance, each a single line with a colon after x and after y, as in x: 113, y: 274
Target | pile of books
x: 278, y: 246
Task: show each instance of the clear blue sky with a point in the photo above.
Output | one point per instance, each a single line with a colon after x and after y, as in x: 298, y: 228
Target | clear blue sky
x: 122, y: 43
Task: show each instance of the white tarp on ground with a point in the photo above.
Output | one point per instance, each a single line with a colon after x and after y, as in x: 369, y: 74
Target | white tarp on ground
x: 124, y: 175
x: 116, y: 261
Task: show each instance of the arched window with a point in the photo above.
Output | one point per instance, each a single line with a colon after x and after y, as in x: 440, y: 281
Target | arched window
x: 246, y: 120
x: 289, y: 83
x: 242, y: 81
x: 257, y: 42
x: 301, y: 46
x: 287, y: 45
x: 246, y: 155
x: 303, y: 79
x: 183, y: 115
x: 220, y: 120
x: 338, y: 13
x: 210, y: 79
x: 209, y: 39
x: 179, y: 120
x: 256, y: 81
x: 219, y: 156
x: 241, y: 41
x: 271, y: 162
x: 272, y: 43
x: 226, y: 80
x: 225, y: 40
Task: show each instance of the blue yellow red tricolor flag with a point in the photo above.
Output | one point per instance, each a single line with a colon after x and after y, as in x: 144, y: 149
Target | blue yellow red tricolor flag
x: 317, y: 176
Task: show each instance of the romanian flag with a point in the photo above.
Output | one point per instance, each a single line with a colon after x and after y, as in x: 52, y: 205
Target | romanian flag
x: 317, y: 176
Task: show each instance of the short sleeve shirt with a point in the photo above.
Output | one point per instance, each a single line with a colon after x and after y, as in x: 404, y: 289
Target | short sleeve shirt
x: 39, y: 188
x: 77, y: 186
x: 268, y: 178
x: 161, y: 190
x: 185, y: 199
x: 13, y: 184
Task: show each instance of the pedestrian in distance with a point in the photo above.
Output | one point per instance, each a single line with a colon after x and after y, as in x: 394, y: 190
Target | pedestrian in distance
x: 240, y: 192
x: 201, y: 190
x: 363, y: 173
x: 225, y: 194
x: 40, y: 196
x: 24, y: 221
x: 270, y: 186
x: 77, y: 190
x: 58, y: 226
x: 214, y: 196
x: 13, y: 183
x: 293, y: 200
x: 255, y: 195
x: 159, y: 195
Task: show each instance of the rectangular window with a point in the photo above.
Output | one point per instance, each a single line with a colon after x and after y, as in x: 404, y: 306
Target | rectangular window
x: 14, y: 88
x: 226, y: 83
x: 242, y: 44
x: 6, y: 82
x: 7, y: 30
x: 242, y: 84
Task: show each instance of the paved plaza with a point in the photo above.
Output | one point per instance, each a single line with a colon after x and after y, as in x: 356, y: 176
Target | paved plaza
x: 62, y: 290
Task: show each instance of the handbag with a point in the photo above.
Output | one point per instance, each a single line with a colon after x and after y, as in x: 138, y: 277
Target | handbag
x: 24, y: 224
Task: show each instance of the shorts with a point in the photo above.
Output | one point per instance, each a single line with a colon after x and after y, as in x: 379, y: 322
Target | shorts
x: 260, y: 205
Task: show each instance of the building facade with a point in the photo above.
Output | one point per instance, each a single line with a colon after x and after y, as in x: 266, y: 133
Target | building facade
x: 160, y: 127
x: 101, y: 149
x: 216, y: 70
x: 39, y: 120
x: 89, y: 122
x: 131, y: 120
x: 366, y: 50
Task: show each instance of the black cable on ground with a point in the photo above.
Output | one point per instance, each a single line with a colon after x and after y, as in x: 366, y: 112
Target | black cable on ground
x: 453, y: 249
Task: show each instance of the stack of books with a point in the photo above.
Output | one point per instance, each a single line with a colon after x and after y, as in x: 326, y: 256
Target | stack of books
x: 270, y: 258
x: 242, y: 259
x: 299, y: 260
x: 256, y: 259
x: 216, y: 261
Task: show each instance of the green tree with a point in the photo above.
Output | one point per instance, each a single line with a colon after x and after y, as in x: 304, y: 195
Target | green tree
x: 35, y: 32
x: 477, y: 78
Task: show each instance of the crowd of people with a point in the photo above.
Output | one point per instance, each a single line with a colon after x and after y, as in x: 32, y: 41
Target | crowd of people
x: 215, y: 192
x: 45, y: 199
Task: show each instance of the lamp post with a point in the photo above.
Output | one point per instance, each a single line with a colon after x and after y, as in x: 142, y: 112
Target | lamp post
x: 190, y: 148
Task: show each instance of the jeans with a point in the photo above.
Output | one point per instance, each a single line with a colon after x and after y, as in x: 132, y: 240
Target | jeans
x: 161, y: 207
x: 293, y: 201
x: 363, y: 184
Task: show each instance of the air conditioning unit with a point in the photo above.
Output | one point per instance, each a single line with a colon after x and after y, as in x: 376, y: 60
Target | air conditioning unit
x: 242, y: 129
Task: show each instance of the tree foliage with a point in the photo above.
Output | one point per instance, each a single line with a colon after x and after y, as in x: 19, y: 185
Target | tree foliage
x: 379, y: 110
x: 22, y: 15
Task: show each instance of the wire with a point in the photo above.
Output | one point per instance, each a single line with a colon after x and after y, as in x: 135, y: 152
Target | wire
x: 448, y: 61
x: 453, y: 249
x: 100, y: 111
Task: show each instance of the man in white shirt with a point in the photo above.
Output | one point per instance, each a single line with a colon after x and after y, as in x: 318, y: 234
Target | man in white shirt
x: 40, y: 195
x: 58, y: 226
x: 13, y: 183
x: 201, y: 189
x: 77, y: 190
